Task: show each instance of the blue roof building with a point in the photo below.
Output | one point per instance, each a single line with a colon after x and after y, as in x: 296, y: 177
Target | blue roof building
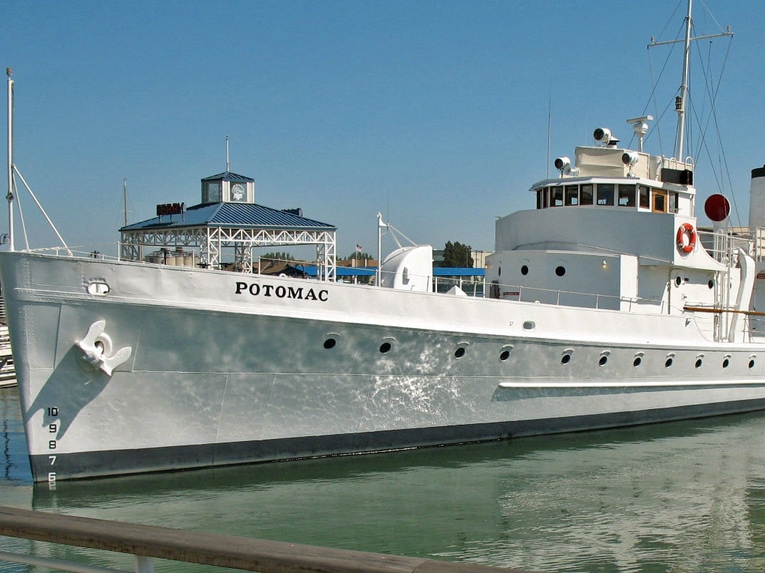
x: 227, y: 218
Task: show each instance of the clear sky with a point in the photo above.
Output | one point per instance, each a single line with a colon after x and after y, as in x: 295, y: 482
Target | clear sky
x: 434, y: 113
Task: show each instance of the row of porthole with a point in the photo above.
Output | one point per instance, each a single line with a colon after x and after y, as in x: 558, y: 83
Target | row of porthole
x: 386, y: 347
x: 679, y: 281
x: 561, y: 271
x: 505, y: 353
x: 603, y: 360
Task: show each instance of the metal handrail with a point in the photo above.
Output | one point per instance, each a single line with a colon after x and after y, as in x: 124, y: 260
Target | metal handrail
x: 147, y: 542
x: 519, y: 289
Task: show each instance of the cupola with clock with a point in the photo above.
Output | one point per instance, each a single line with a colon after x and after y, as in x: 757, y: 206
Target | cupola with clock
x: 228, y: 187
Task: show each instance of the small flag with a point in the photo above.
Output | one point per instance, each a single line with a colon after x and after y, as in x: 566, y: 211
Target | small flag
x: 358, y: 248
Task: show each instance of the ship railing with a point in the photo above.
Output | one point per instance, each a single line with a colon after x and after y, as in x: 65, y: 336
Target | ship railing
x: 758, y: 242
x: 722, y: 244
x: 473, y: 286
x: 83, y: 251
x: 559, y: 297
x: 147, y: 543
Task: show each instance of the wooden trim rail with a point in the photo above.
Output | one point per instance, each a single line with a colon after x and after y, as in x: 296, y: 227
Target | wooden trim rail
x: 721, y: 310
x: 214, y: 549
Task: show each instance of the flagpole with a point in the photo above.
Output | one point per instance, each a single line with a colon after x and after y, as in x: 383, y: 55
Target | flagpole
x: 380, y: 226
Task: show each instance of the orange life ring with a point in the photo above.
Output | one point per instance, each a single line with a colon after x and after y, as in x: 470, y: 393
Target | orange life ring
x: 686, y: 232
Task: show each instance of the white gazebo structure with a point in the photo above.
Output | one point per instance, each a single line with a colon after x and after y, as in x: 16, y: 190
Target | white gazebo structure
x: 227, y: 219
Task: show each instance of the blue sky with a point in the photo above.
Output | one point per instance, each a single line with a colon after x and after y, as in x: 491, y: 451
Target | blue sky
x: 433, y: 113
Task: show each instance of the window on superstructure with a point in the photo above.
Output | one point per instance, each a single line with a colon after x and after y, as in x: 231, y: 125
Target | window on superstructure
x: 626, y: 195
x: 606, y: 193
x: 585, y: 194
x: 644, y: 197
x: 673, y: 199
x: 659, y: 201
x: 556, y: 196
x: 572, y: 194
x: 541, y: 198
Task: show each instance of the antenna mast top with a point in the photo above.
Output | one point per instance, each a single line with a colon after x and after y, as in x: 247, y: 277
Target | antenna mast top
x: 681, y: 103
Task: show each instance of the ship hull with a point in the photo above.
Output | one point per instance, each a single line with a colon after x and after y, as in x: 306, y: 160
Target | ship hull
x: 225, y: 368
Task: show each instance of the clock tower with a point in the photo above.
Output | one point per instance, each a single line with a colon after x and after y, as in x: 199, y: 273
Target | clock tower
x: 228, y: 187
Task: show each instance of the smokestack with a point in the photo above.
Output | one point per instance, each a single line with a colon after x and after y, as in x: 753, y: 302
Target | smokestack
x: 757, y: 198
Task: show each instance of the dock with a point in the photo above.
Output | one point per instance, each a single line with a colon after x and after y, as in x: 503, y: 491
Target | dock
x: 7, y: 369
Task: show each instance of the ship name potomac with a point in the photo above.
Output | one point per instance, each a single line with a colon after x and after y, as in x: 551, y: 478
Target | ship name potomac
x: 281, y: 291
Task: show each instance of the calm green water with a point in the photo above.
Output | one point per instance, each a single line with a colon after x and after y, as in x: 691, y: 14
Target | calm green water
x: 681, y: 497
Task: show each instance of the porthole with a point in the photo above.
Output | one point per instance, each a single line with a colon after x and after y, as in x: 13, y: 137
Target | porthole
x: 504, y: 355
x: 385, y: 347
x: 668, y: 362
x: 678, y: 281
x: 524, y: 270
x: 699, y: 362
x: 603, y: 360
x: 711, y: 284
x: 566, y: 358
x: 99, y: 288
x: 726, y: 362
x: 637, y: 362
x: 751, y: 363
x: 330, y: 343
x: 460, y: 352
x: 560, y: 271
x: 529, y: 325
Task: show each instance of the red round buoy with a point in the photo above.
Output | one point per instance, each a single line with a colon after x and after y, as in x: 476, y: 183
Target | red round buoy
x: 717, y: 207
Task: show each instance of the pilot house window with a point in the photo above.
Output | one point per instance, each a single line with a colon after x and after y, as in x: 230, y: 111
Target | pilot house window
x: 572, y: 195
x: 556, y: 196
x: 659, y: 201
x: 585, y: 195
x: 673, y: 196
x: 645, y: 197
x: 605, y: 194
x: 626, y: 195
x: 542, y: 202
x: 608, y: 194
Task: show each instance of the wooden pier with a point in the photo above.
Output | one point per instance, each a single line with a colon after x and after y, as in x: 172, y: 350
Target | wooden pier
x: 148, y: 542
x: 7, y: 370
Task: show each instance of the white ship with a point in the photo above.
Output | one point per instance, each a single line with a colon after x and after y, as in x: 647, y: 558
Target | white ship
x: 605, y: 306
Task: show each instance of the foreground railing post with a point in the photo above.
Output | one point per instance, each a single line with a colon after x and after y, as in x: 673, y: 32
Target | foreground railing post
x: 144, y: 564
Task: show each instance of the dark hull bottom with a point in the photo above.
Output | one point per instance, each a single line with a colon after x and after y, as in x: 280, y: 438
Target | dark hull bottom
x: 92, y: 464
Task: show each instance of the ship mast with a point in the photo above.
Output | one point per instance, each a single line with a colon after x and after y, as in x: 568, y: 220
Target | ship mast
x: 9, y: 71
x: 681, y: 100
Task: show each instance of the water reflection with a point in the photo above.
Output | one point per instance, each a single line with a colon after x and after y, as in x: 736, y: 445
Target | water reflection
x: 686, y: 496
x: 15, y: 463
